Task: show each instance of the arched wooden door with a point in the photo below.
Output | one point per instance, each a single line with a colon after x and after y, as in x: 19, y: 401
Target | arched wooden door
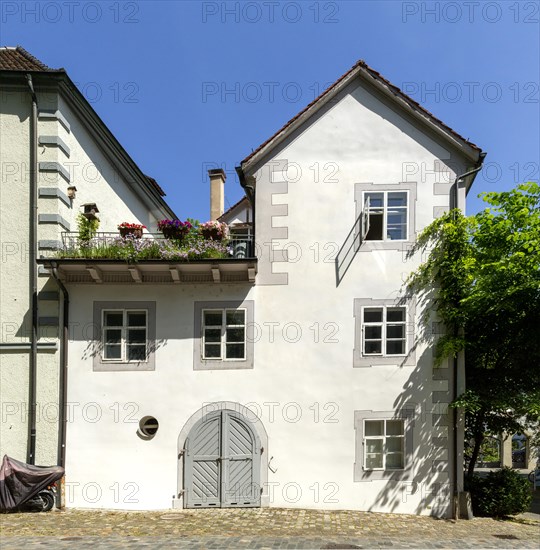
x: 222, y: 463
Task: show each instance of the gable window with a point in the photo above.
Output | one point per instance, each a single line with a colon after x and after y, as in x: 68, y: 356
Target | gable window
x: 384, y: 331
x: 224, y: 334
x: 384, y: 445
x: 125, y: 335
x: 387, y: 214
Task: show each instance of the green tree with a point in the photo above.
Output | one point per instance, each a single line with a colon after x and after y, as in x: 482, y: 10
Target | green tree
x: 486, y: 272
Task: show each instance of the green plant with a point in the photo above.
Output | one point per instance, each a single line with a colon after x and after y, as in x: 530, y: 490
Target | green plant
x: 87, y: 227
x: 501, y: 493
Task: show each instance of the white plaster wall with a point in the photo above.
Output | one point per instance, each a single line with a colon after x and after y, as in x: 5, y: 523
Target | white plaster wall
x: 97, y: 180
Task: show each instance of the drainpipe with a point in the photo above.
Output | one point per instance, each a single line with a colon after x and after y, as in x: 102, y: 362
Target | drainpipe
x: 455, y: 385
x: 62, y: 417
x: 250, y: 193
x: 31, y: 452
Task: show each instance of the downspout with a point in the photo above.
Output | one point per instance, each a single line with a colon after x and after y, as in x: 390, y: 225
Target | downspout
x: 62, y: 416
x: 455, y: 385
x: 250, y: 193
x: 31, y: 450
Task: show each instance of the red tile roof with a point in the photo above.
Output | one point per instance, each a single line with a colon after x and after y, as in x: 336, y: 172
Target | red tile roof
x: 156, y: 185
x: 18, y: 59
x: 362, y: 65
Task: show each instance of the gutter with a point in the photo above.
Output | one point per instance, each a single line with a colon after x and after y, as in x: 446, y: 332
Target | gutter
x: 31, y: 450
x: 455, y: 386
x: 250, y: 194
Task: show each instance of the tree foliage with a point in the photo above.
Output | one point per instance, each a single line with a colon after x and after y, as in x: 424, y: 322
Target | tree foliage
x: 486, y: 271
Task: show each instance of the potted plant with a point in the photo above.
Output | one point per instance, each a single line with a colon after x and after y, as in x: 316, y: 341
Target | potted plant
x: 174, y: 229
x: 214, y: 230
x: 134, y: 230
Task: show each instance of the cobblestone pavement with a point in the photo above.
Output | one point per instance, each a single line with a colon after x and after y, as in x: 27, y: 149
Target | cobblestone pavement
x: 258, y: 528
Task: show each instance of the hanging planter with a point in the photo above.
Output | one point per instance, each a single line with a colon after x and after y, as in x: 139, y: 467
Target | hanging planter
x: 174, y: 229
x: 213, y: 230
x: 133, y: 230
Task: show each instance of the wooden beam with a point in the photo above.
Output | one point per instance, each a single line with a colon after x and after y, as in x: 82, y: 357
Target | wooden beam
x: 135, y: 273
x: 95, y: 273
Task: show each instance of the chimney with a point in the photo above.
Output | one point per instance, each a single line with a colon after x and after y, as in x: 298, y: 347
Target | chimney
x: 217, y: 192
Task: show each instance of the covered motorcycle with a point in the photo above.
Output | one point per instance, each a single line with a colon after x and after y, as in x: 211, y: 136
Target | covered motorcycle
x: 20, y: 482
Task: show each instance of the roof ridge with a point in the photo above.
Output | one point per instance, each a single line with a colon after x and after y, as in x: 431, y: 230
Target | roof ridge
x: 376, y: 76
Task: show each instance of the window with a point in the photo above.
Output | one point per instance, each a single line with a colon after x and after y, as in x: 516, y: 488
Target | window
x: 125, y: 335
x: 224, y: 334
x: 384, y: 331
x: 387, y: 215
x: 384, y: 445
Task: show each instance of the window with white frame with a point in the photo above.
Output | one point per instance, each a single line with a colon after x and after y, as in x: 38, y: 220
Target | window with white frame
x: 384, y: 331
x: 125, y: 335
x: 223, y: 334
x: 387, y: 214
x: 384, y: 445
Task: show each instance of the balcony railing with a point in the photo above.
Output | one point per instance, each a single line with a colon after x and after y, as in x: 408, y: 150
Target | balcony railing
x: 110, y: 245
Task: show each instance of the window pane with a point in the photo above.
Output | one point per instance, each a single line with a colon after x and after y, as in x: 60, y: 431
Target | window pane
x: 114, y: 318
x: 394, y: 427
x: 113, y: 336
x: 211, y: 351
x: 374, y: 446
x: 395, y: 347
x: 374, y: 427
x: 394, y: 444
x: 136, y: 352
x: 212, y: 335
x: 112, y: 351
x: 396, y: 233
x: 213, y: 318
x: 373, y: 332
x: 372, y: 347
x: 397, y: 199
x: 394, y: 461
x: 395, y: 331
x: 397, y: 217
x: 395, y: 314
x: 136, y: 336
x: 136, y: 319
x: 235, y: 334
x: 374, y: 461
x: 376, y: 200
x: 236, y: 317
x: 373, y: 315
x: 235, y: 351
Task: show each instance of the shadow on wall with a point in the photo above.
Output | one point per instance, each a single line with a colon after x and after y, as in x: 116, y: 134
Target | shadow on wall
x: 426, y: 478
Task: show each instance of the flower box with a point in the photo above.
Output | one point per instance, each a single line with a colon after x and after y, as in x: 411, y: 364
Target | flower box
x: 174, y: 229
x: 213, y: 230
x: 133, y: 230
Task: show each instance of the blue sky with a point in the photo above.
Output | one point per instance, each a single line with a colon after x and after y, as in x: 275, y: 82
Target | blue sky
x: 186, y: 86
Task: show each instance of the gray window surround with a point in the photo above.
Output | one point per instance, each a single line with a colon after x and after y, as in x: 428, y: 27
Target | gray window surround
x: 219, y: 364
x: 361, y: 474
x: 113, y: 366
x: 361, y: 188
x: 409, y: 360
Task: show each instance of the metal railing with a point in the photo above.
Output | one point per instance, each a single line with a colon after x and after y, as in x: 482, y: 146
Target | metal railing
x: 239, y: 246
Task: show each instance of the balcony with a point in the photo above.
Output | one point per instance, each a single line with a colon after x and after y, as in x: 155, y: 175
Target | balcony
x: 152, y: 259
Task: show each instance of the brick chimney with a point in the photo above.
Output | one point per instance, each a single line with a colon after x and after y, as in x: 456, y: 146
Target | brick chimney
x: 217, y: 192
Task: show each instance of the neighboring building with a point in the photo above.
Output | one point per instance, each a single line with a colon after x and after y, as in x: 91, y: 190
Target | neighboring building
x: 296, y: 373
x: 57, y: 156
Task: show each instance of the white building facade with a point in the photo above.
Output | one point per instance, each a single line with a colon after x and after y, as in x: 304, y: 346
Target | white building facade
x: 298, y: 375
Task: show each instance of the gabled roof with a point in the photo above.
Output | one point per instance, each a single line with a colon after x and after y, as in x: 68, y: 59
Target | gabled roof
x: 236, y: 206
x: 18, y: 59
x: 360, y: 68
x: 15, y: 60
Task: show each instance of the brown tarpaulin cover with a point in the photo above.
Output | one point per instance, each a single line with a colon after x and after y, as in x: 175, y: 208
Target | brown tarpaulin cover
x: 20, y: 482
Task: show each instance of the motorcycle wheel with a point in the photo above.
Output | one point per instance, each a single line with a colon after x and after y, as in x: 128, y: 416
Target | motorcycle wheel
x: 48, y: 501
